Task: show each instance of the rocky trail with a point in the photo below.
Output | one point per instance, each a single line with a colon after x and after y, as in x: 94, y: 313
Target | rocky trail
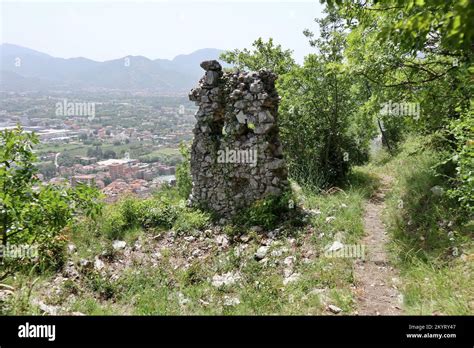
x: 376, y: 279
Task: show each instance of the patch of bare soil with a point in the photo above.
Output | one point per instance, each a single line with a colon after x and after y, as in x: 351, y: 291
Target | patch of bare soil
x: 376, y: 279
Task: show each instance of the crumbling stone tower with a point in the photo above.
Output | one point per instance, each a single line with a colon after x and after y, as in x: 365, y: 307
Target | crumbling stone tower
x: 236, y: 155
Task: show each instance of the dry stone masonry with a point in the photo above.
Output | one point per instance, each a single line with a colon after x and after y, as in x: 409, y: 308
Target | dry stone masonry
x: 236, y: 156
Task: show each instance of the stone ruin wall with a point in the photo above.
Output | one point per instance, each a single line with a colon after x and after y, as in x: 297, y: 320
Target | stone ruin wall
x: 236, y: 155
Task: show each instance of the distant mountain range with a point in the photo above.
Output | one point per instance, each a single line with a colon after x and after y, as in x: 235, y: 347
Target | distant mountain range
x: 24, y: 69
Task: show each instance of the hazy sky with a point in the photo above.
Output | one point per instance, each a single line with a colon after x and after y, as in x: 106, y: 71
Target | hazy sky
x: 109, y: 29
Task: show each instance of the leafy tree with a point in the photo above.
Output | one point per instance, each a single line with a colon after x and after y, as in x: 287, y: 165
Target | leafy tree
x: 95, y: 152
x: 265, y: 55
x: 323, y: 123
x: 412, y: 52
x: 320, y: 102
x: 110, y: 154
x: 66, y: 160
x: 415, y: 24
x: 48, y: 169
x: 419, y: 51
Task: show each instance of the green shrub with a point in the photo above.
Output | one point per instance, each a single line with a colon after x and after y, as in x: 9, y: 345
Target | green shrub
x: 265, y: 212
x: 114, y: 224
x: 31, y: 212
x: 102, y: 286
x: 189, y: 220
x: 232, y: 230
x: 463, y: 158
x: 130, y: 209
x: 161, y: 211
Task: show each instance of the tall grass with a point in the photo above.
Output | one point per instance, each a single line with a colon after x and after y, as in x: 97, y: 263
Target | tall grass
x: 432, y: 235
